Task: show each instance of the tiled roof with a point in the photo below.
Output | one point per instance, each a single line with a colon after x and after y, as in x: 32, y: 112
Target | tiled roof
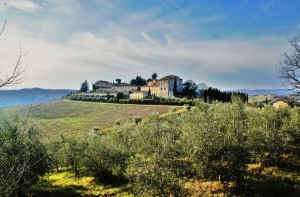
x: 168, y: 77
x: 279, y: 99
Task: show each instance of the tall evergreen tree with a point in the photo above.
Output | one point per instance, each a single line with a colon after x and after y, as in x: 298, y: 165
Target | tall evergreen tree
x: 175, y: 87
x: 84, y: 86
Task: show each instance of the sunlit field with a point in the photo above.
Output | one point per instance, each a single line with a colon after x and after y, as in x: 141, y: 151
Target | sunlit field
x: 71, y: 118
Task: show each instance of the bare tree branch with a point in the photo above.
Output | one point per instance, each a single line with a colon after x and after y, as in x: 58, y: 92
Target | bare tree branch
x: 16, y: 77
x: 3, y: 27
x: 289, y: 67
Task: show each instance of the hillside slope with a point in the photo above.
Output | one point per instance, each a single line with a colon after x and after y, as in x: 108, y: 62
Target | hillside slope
x: 74, y: 117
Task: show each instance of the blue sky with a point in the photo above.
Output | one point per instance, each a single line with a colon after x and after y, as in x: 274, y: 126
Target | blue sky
x: 228, y: 44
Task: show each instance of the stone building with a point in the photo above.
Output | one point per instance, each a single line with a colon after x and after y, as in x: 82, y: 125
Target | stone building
x: 166, y: 87
x: 113, y: 88
x: 138, y: 95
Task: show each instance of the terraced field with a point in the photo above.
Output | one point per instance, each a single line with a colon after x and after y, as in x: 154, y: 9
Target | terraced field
x: 74, y: 117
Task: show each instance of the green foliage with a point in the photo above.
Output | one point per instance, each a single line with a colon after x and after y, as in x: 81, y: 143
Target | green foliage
x: 56, y: 153
x: 121, y: 99
x: 292, y: 126
x: 23, y: 157
x: 120, y: 95
x: 188, y: 107
x: 103, y: 158
x: 153, y: 169
x: 154, y: 76
x: 173, y: 110
x: 84, y: 86
x: 190, y: 89
x: 215, y: 141
x: 117, y: 122
x: 138, y: 81
x: 74, y: 153
x: 266, y: 136
x: 213, y: 94
x: 212, y: 142
x: 137, y: 119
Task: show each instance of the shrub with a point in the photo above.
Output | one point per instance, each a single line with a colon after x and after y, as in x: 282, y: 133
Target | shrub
x: 137, y: 119
x: 23, y: 157
x: 267, y: 139
x: 154, y: 168
x: 173, y: 109
x: 103, y: 159
x: 117, y: 122
x: 74, y: 153
x: 188, y: 107
x: 96, y: 129
x: 215, y: 141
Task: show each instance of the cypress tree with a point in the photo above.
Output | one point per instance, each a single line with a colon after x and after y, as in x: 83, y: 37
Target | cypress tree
x: 175, y: 87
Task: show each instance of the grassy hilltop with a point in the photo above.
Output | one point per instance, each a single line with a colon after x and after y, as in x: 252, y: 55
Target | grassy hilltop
x: 72, y: 117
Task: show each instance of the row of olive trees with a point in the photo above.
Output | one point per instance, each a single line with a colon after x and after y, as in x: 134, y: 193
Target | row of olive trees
x: 210, y: 142
x: 23, y: 158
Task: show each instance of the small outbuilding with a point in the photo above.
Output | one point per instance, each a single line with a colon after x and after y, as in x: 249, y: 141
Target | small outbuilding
x: 139, y: 95
x: 280, y: 103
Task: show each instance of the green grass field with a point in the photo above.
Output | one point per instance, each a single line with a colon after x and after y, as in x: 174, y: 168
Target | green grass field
x: 72, y: 118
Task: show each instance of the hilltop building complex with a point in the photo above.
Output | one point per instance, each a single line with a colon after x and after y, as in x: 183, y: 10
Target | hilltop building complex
x: 113, y: 88
x: 166, y: 87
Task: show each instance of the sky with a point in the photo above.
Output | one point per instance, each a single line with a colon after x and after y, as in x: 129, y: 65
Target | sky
x: 227, y: 44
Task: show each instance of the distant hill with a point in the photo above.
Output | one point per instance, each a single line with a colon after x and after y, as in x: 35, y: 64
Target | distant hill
x: 9, y: 98
x: 278, y: 92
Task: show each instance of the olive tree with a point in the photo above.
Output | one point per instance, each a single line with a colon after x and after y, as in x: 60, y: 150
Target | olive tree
x: 214, y: 140
x: 103, y: 158
x: 268, y: 134
x: 154, y: 168
x: 22, y: 157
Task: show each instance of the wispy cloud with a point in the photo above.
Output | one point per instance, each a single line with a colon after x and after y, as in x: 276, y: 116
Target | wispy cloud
x: 73, y: 40
x: 93, y: 57
x: 62, y: 7
x: 149, y: 39
x: 23, y: 5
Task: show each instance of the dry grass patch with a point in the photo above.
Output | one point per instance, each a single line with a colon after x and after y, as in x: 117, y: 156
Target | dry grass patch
x: 209, y: 188
x: 84, y: 186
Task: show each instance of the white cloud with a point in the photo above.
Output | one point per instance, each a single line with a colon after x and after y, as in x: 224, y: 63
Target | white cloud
x: 149, y: 39
x: 62, y: 6
x: 24, y: 5
x: 92, y: 57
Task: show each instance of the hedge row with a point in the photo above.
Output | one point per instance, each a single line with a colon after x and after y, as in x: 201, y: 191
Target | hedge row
x: 152, y: 101
x: 158, y: 101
